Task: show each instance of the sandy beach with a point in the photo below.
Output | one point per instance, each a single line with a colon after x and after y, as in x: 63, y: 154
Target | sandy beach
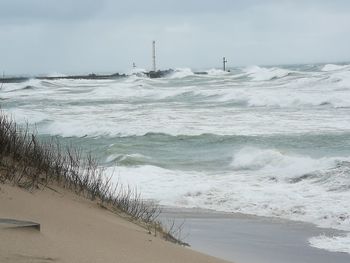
x: 74, y: 229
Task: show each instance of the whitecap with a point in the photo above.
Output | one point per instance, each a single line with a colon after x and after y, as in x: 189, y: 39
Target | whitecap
x: 264, y: 74
x: 333, y: 67
x: 180, y: 73
x: 334, y: 243
x: 217, y: 72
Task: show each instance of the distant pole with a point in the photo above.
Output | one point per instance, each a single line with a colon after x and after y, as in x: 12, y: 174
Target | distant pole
x: 133, y: 65
x: 154, y: 55
x: 3, y: 78
x: 224, y: 63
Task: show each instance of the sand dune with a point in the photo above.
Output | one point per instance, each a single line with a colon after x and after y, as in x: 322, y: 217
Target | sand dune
x: 74, y: 229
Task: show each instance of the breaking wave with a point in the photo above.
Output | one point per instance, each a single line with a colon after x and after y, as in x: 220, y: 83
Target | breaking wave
x: 268, y: 183
x: 217, y: 72
x: 334, y: 243
x: 257, y: 73
x: 180, y: 73
x: 332, y: 67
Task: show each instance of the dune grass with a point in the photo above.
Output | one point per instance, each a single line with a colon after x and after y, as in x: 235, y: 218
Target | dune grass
x: 30, y: 163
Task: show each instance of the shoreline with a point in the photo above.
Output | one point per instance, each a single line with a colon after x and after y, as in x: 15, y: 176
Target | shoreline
x: 74, y: 229
x: 253, y: 239
x: 72, y: 224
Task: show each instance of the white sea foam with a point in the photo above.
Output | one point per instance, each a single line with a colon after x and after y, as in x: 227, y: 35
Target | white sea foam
x: 292, y: 94
x: 122, y: 157
x: 181, y: 73
x: 217, y: 72
x: 272, y: 162
x: 156, y: 183
x: 266, y: 191
x: 332, y: 67
x: 291, y: 98
x: 23, y: 116
x: 264, y: 74
x: 335, y: 243
x: 135, y: 106
x: 282, y: 185
x: 13, y: 87
x: 137, y: 71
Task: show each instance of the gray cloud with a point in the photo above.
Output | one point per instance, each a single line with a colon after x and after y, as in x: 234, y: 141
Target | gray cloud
x: 46, y: 11
x: 43, y: 36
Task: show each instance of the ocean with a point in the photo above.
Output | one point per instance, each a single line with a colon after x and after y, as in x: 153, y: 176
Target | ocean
x: 268, y: 141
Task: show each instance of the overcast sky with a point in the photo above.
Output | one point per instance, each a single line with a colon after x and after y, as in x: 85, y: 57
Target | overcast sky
x: 81, y: 36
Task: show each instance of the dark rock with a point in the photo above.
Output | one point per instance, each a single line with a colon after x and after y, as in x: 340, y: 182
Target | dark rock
x: 159, y: 73
x: 90, y: 76
x: 13, y: 80
x: 201, y: 73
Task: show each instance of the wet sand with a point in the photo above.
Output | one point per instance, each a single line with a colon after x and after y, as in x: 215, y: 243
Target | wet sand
x: 250, y: 239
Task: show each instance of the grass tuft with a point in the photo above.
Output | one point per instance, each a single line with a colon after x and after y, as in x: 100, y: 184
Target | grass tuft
x: 30, y: 163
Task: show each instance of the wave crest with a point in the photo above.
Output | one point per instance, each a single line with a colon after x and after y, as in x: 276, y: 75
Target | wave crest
x: 180, y: 73
x: 334, y: 244
x: 217, y: 72
x: 333, y: 67
x: 286, y: 167
x: 264, y: 74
